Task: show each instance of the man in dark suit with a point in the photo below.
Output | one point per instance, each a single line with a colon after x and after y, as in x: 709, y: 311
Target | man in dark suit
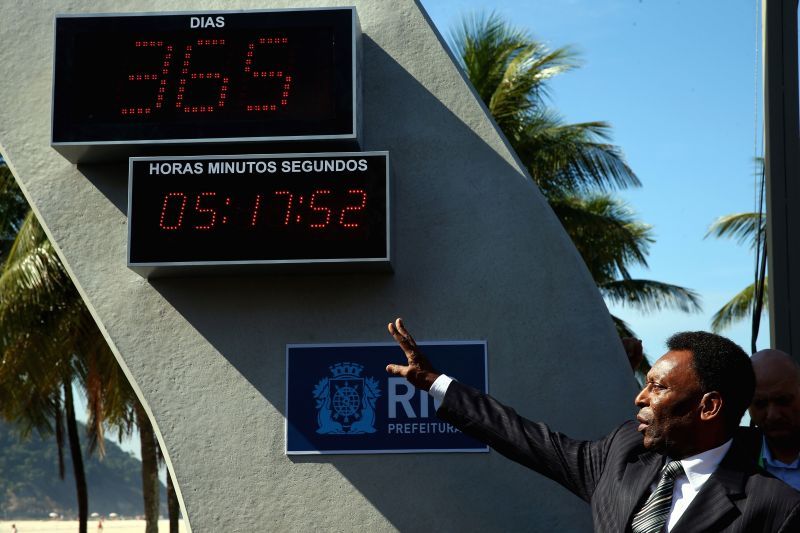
x: 685, y: 466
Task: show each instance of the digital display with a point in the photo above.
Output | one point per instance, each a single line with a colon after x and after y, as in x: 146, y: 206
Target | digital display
x: 261, y: 210
x: 207, y: 77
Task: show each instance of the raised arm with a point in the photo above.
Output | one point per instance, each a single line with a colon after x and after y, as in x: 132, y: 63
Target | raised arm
x: 577, y: 465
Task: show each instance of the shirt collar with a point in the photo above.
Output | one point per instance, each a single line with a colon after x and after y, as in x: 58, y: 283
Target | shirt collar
x: 699, y: 467
x: 771, y: 461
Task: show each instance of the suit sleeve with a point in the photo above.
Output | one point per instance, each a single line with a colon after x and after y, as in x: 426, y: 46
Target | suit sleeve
x: 577, y: 465
x: 792, y: 523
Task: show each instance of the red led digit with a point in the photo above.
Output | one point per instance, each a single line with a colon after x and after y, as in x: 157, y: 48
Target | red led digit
x: 159, y: 76
x: 255, y: 210
x: 356, y: 207
x: 277, y: 74
x: 165, y: 206
x: 288, y: 205
x: 186, y: 75
x: 212, y: 221
x: 319, y: 208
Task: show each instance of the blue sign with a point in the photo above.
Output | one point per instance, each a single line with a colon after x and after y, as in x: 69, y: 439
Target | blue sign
x: 339, y: 399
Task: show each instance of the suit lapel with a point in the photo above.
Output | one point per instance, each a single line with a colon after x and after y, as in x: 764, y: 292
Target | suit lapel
x: 636, y: 482
x: 716, y: 503
x: 713, y: 504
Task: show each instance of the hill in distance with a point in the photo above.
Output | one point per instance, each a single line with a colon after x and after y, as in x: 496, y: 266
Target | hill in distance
x: 30, y: 486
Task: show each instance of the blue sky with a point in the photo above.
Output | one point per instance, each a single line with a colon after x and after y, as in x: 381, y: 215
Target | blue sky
x: 677, y: 81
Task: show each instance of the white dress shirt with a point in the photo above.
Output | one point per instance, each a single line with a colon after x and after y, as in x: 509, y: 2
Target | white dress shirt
x: 697, y: 468
x: 439, y: 387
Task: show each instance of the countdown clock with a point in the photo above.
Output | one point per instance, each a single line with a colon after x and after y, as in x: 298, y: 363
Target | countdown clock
x: 288, y: 211
x: 124, y: 83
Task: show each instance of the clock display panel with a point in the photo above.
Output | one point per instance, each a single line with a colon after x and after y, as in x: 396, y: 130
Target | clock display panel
x: 205, y: 77
x: 299, y: 208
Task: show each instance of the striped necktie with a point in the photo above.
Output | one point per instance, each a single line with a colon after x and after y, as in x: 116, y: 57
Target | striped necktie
x: 652, y: 517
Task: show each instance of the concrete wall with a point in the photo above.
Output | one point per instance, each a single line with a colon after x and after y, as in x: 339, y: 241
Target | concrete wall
x: 479, y: 255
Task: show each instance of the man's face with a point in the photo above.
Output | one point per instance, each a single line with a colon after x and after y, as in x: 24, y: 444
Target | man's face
x: 776, y: 404
x: 669, y: 406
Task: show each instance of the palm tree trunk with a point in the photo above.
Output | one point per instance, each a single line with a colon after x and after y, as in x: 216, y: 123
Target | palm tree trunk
x: 172, y: 506
x: 77, y: 458
x: 149, y: 470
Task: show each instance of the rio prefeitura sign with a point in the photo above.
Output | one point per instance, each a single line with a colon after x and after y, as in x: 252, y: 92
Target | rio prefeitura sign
x: 341, y: 400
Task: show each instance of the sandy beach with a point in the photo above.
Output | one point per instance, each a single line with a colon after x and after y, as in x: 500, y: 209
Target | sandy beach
x: 115, y: 526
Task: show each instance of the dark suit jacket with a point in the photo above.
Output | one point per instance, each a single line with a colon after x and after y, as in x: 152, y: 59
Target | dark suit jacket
x: 614, y: 474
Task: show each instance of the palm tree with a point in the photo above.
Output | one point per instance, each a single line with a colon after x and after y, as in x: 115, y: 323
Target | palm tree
x: 49, y: 341
x: 574, y: 165
x: 150, y: 483
x: 38, y: 366
x: 173, y: 508
x: 744, y: 228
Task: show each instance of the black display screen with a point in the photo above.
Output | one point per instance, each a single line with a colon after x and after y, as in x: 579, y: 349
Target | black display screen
x: 214, y: 76
x: 301, y: 208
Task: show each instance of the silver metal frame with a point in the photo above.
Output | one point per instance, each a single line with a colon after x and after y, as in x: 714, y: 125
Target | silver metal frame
x: 74, y: 150
x: 373, y: 452
x: 161, y: 268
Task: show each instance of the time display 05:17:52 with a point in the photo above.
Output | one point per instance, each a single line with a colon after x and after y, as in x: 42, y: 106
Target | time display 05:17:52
x: 310, y: 208
x: 322, y: 208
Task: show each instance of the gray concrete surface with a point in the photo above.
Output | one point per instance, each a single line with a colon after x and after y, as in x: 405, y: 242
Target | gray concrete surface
x: 479, y: 255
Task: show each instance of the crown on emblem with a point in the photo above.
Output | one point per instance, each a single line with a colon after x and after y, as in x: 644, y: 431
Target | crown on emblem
x: 346, y: 370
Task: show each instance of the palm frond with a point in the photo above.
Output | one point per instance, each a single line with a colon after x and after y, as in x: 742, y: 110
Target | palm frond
x: 483, y: 45
x: 647, y: 295
x: 572, y: 158
x: 508, y: 68
x: 521, y: 89
x: 48, y: 336
x: 510, y: 72
x: 13, y: 207
x: 605, y: 232
x: 743, y: 227
x: 738, y: 308
x: 622, y: 327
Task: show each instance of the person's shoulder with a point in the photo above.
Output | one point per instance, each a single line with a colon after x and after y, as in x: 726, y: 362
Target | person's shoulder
x: 750, y: 438
x: 749, y: 442
x: 763, y: 482
x: 628, y: 431
x: 627, y: 438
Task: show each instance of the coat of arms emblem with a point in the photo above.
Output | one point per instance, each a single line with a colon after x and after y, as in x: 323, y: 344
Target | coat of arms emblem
x: 346, y: 401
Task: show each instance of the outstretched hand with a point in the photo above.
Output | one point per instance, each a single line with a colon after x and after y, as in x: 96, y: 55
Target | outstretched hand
x: 419, y: 371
